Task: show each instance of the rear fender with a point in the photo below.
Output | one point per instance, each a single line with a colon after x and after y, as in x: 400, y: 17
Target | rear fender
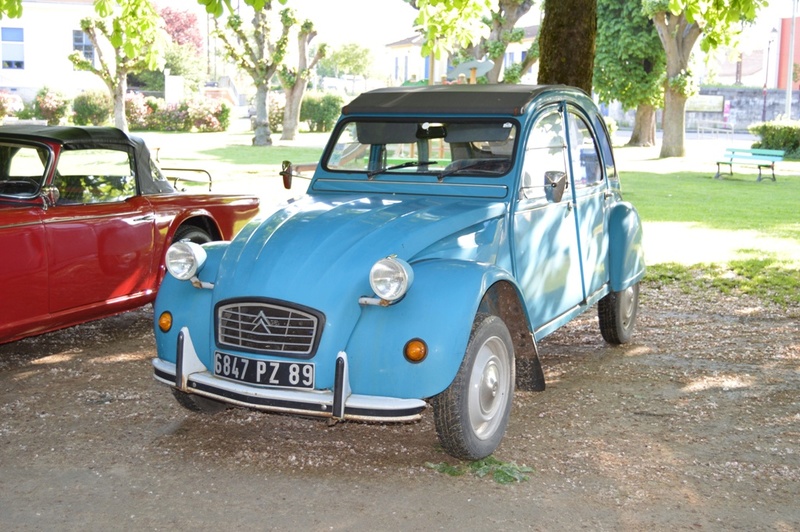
x: 625, y: 251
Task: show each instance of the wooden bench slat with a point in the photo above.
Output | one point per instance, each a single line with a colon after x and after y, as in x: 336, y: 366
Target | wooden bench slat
x: 761, y: 158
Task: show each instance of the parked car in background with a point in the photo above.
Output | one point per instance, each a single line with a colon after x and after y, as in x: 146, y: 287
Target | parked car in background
x: 445, y: 232
x: 85, y: 220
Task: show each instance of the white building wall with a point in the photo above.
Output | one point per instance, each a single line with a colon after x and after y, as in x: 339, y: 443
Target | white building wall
x: 47, y: 32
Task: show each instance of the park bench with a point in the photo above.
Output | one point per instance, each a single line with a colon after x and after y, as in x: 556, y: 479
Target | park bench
x: 754, y: 156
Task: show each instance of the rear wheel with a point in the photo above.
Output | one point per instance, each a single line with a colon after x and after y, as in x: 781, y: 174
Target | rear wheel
x: 471, y: 415
x: 192, y: 234
x: 617, y: 312
x: 198, y: 403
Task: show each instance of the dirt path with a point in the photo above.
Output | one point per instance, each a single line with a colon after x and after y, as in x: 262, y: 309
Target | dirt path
x: 693, y: 426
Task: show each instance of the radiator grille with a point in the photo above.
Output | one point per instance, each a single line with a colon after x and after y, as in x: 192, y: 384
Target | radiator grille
x: 267, y: 328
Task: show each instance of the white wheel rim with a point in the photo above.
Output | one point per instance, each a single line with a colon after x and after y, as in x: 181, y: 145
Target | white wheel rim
x: 626, y: 306
x: 490, y: 384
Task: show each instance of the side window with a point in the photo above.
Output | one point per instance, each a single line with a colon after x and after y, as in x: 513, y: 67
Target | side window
x: 545, y: 154
x: 586, y: 163
x: 94, y: 176
x: 13, y: 48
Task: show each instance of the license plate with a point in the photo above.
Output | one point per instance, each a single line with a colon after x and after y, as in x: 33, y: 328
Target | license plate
x: 264, y: 372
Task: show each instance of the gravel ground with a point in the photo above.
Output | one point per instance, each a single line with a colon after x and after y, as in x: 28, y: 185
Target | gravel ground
x: 694, y: 425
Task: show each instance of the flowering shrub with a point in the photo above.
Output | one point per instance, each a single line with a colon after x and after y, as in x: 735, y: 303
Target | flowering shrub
x: 10, y: 104
x: 136, y: 111
x: 156, y: 115
x: 209, y: 115
x: 51, y: 106
x: 92, y: 107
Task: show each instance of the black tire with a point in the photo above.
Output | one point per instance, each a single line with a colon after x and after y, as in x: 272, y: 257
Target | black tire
x: 192, y: 234
x: 471, y: 415
x: 198, y: 403
x: 617, y: 312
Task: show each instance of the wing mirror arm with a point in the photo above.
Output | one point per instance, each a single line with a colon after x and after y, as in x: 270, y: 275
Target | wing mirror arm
x: 286, y: 174
x: 50, y: 196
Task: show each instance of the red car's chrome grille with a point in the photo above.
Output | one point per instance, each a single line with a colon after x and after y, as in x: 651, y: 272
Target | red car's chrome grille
x: 267, y: 328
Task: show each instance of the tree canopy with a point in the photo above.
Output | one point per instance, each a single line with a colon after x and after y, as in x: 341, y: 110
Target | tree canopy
x: 131, y: 29
x: 680, y: 23
x: 629, y: 64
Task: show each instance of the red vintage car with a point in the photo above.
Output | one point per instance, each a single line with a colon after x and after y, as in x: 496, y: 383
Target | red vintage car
x: 86, y: 217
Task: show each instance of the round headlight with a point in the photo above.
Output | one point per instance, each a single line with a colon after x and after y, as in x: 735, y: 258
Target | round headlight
x: 184, y: 260
x: 390, y: 278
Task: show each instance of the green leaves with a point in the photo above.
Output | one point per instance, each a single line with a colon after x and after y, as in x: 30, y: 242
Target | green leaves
x: 448, y: 24
x: 500, y: 472
x: 11, y: 8
x: 218, y: 7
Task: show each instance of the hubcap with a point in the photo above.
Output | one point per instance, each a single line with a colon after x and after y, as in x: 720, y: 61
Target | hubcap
x: 626, y: 305
x: 490, y: 383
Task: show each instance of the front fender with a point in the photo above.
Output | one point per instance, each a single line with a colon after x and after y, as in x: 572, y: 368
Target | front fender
x: 190, y: 307
x: 439, y: 309
x: 625, y: 251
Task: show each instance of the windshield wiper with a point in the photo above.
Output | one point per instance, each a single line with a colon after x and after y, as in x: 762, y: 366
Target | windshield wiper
x: 406, y: 164
x: 454, y: 170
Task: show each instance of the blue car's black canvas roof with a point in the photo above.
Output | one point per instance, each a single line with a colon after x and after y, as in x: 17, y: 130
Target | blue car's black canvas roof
x: 450, y: 99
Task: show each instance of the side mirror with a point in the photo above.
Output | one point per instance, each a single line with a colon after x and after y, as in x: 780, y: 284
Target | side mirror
x: 50, y: 195
x: 554, y: 185
x: 286, y: 174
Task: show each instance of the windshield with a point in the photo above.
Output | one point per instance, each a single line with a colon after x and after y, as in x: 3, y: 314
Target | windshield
x: 22, y: 169
x: 440, y: 149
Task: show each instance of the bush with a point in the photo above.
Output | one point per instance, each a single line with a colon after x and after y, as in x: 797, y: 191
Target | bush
x: 51, y: 106
x: 277, y: 105
x: 10, y: 104
x: 778, y: 135
x: 136, y: 111
x: 208, y: 115
x: 92, y: 107
x: 321, y: 111
x: 611, y: 125
x: 196, y: 115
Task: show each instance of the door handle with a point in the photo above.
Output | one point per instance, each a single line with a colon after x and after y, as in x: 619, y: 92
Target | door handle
x: 145, y: 218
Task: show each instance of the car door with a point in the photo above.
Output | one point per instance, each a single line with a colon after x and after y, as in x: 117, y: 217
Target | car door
x: 100, y: 234
x: 589, y: 196
x: 547, y: 260
x: 23, y: 268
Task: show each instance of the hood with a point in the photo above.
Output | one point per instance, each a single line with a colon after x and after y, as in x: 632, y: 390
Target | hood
x: 323, y: 247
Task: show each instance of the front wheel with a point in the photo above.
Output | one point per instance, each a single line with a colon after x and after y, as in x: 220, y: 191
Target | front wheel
x: 617, y: 313
x: 198, y: 403
x: 471, y: 415
x: 192, y: 234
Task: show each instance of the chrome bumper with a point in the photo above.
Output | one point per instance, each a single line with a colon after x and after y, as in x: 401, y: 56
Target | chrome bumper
x: 189, y: 375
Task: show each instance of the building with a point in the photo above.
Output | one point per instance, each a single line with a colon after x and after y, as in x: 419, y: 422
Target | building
x: 35, y: 49
x: 406, y: 64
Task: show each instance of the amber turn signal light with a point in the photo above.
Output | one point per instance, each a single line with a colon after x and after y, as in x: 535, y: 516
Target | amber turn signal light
x: 165, y: 321
x: 415, y: 350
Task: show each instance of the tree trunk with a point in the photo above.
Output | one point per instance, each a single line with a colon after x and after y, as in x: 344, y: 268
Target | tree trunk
x: 644, y: 126
x: 291, y: 113
x: 262, y: 132
x: 119, y: 91
x: 567, y: 41
x: 678, y: 36
x: 673, y: 127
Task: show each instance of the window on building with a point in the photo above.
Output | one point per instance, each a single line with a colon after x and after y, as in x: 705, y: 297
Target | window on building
x: 13, y: 48
x: 82, y: 44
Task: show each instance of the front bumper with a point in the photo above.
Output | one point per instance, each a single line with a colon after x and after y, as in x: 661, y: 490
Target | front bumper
x: 190, y: 375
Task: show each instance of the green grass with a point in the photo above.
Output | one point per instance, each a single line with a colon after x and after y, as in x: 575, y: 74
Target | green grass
x: 732, y: 203
x: 763, y: 276
x: 489, y: 467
